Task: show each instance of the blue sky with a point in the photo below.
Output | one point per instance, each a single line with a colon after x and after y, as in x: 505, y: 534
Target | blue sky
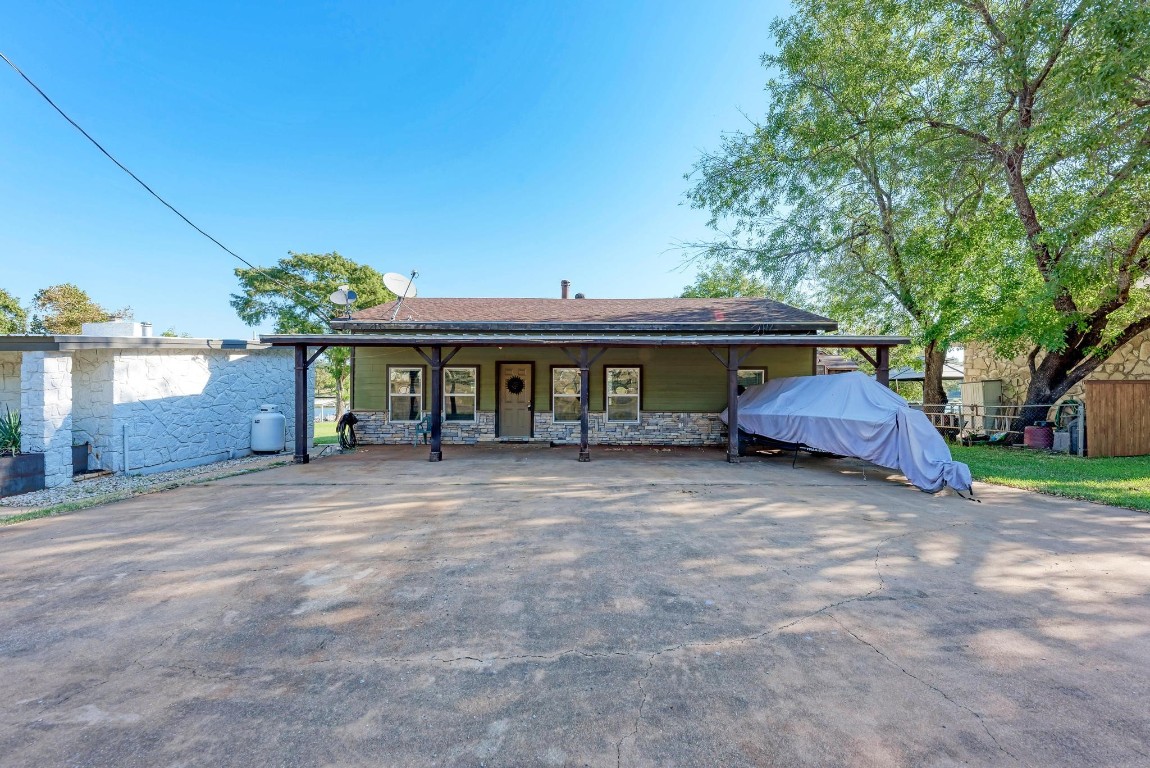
x: 497, y: 148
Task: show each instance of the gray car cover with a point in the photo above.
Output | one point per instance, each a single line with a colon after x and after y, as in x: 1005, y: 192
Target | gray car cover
x: 853, y: 415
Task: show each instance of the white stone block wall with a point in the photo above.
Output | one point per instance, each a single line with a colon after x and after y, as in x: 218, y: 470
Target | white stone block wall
x: 46, y: 412
x: 9, y: 381
x: 655, y: 428
x: 175, y: 409
x: 93, y: 373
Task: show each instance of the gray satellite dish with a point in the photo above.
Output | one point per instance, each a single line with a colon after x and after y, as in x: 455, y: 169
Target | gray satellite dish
x: 401, y: 286
x: 343, y: 296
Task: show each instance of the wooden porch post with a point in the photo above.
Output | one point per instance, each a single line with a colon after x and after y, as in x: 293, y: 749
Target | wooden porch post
x: 584, y: 403
x: 301, y: 361
x: 882, y: 367
x: 436, y: 404
x: 733, y: 404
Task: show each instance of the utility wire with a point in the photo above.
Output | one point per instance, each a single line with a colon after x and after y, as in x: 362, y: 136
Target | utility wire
x: 169, y: 206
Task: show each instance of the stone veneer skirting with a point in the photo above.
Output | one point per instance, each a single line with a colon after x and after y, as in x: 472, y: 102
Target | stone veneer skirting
x: 656, y: 428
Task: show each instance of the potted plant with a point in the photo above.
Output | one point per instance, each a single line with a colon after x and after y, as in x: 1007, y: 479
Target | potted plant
x: 9, y: 433
x: 19, y: 472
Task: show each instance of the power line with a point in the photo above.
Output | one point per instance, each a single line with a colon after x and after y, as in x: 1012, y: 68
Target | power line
x: 153, y: 193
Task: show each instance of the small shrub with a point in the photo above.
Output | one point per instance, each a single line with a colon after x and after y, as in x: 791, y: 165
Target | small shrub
x: 9, y: 433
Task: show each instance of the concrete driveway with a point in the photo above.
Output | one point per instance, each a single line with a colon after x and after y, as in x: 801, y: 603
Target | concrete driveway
x: 513, y: 607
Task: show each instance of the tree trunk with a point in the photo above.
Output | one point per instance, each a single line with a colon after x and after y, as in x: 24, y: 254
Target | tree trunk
x: 933, y: 393
x: 1049, y: 381
x: 1039, y: 398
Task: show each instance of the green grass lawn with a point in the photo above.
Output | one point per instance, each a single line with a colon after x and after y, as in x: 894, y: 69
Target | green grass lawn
x: 325, y: 433
x: 1123, y: 482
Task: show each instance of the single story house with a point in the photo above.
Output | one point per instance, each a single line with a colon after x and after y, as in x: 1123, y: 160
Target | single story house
x: 569, y: 370
x: 136, y: 403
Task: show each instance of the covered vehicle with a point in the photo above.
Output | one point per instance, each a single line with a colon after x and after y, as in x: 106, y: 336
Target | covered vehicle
x: 852, y: 415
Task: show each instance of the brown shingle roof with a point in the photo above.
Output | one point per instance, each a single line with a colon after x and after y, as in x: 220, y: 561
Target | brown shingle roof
x: 621, y: 311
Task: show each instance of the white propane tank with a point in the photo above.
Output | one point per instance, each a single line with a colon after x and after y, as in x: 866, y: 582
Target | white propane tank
x: 268, y: 430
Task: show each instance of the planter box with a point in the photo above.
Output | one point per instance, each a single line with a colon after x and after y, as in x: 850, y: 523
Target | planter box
x: 21, y: 473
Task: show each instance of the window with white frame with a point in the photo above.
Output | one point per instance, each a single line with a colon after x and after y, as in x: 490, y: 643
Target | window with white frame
x: 565, y: 394
x: 622, y: 394
x: 459, y: 388
x: 750, y: 377
x: 405, y: 394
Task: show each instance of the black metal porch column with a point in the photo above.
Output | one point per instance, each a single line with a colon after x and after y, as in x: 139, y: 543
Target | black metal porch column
x: 301, y: 364
x: 584, y: 403
x: 436, y: 404
x: 882, y: 366
x: 733, y: 360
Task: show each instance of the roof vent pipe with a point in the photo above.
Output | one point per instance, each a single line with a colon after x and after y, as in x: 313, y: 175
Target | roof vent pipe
x: 563, y: 288
x: 580, y: 296
x: 145, y: 329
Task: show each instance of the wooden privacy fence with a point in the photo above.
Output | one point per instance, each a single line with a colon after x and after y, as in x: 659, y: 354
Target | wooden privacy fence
x: 1118, y: 418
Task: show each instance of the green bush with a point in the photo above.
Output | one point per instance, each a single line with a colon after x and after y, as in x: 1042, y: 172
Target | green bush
x: 9, y: 432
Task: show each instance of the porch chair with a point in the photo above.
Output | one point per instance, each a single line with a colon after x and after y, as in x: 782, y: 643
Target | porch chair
x: 422, y: 428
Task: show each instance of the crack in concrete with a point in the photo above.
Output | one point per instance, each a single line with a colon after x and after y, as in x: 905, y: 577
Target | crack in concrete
x: 65, y: 700
x: 931, y: 686
x: 532, y: 656
x: 639, y: 714
x: 197, y: 673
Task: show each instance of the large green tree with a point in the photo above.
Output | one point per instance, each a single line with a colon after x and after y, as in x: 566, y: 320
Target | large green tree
x: 1006, y: 146
x: 722, y: 279
x: 13, y: 318
x: 832, y: 190
x: 294, y: 293
x: 64, y: 308
x: 1055, y: 95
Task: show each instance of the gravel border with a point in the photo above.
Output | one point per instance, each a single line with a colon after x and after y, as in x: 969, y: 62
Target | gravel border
x: 122, y: 486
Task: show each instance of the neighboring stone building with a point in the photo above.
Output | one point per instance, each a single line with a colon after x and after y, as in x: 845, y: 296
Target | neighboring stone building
x: 1130, y: 362
x: 141, y: 403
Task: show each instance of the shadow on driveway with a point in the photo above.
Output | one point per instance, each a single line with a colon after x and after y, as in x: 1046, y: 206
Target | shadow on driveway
x: 511, y: 606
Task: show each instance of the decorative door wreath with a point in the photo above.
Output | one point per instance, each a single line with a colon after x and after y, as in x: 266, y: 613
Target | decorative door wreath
x: 515, y: 385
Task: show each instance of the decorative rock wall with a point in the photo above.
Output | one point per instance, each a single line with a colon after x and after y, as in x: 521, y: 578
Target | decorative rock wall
x: 46, y: 412
x: 654, y: 429
x: 175, y: 409
x: 9, y: 381
x: 1130, y: 362
x: 166, y: 408
x: 93, y: 373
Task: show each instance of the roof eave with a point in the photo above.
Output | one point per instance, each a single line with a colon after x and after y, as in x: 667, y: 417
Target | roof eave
x: 70, y: 343
x: 379, y: 326
x: 821, y: 341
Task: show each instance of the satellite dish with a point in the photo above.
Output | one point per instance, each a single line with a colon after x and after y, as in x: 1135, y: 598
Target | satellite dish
x: 401, y: 286
x: 344, y: 296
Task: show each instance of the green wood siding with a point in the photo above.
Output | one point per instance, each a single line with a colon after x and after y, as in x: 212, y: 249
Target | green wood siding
x: 673, y: 379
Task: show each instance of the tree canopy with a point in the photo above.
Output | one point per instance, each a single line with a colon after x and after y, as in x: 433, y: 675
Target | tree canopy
x: 722, y: 279
x: 13, y: 318
x: 954, y: 170
x: 64, y: 308
x: 1056, y: 97
x: 832, y: 192
x: 293, y: 294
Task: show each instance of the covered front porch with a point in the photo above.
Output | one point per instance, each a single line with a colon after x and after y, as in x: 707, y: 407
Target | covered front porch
x: 580, y: 353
